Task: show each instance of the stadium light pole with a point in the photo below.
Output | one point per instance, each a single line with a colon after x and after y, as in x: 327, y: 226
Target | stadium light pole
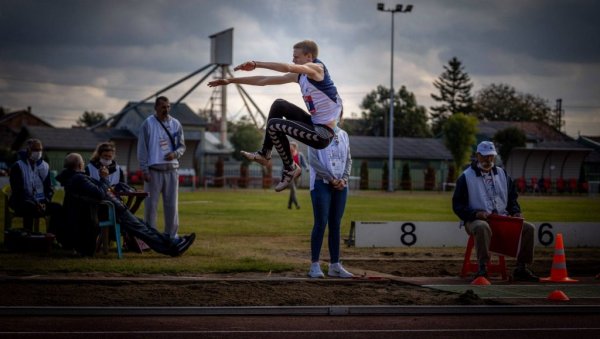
x: 398, y: 9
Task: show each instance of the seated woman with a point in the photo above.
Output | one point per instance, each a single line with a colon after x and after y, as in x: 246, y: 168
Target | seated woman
x: 103, y: 164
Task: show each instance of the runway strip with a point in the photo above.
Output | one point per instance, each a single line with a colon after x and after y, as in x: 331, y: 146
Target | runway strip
x: 534, y: 291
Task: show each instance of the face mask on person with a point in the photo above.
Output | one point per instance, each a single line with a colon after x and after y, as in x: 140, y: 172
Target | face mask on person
x: 35, y: 156
x: 105, y: 162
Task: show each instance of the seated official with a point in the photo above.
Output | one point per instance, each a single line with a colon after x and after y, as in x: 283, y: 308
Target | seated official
x: 31, y: 187
x: 80, y: 188
x: 103, y: 165
x: 483, y: 189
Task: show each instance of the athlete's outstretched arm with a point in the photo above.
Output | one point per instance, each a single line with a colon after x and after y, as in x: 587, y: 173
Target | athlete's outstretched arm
x: 258, y: 80
x: 312, y: 70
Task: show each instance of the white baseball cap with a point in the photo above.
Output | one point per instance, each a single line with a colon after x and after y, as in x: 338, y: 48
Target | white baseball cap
x: 486, y: 148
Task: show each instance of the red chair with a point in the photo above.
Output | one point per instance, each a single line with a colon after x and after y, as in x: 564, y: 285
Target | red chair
x: 547, y: 185
x: 584, y: 187
x: 521, y: 185
x: 470, y: 266
x: 573, y: 185
x: 560, y: 185
x: 534, y: 185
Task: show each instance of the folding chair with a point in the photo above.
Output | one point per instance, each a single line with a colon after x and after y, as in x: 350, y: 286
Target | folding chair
x: 103, y: 240
x: 470, y: 266
x: 10, y: 214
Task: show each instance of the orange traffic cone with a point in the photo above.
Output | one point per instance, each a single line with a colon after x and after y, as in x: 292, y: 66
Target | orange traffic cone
x: 480, y: 281
x: 558, y: 295
x: 558, y: 273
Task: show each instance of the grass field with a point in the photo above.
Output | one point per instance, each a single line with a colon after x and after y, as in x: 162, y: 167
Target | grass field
x: 254, y: 231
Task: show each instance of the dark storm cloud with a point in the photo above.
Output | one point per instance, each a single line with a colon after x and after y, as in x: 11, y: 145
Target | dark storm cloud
x: 547, y: 31
x: 125, y: 49
x: 101, y: 33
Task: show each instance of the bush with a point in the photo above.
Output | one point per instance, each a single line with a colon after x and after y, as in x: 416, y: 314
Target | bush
x: 429, y: 179
x: 384, y: 176
x: 267, y: 176
x: 406, y: 182
x: 219, y: 173
x: 450, y: 178
x: 364, y: 175
x: 244, y: 174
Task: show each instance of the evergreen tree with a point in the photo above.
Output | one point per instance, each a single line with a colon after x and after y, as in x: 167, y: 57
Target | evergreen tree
x: 454, y: 86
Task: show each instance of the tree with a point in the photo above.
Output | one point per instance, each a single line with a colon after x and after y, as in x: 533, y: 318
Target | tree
x: 89, y: 119
x: 244, y: 136
x: 454, y: 86
x: 504, y: 103
x: 406, y: 182
x: 459, y: 136
x: 364, y: 175
x: 429, y: 178
x: 410, y: 120
x: 507, y: 139
x: 384, y: 175
x: 451, y: 177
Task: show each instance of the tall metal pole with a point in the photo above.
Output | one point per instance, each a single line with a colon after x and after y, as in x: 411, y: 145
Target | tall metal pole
x: 391, y: 118
x: 223, y: 126
x: 398, y: 8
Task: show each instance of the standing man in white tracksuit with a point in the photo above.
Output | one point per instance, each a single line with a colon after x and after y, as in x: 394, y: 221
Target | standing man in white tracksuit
x: 160, y: 145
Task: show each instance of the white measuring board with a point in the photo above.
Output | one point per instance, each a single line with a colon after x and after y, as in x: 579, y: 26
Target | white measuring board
x: 449, y: 234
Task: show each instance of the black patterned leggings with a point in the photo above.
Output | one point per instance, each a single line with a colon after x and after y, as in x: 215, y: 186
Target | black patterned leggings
x: 298, y: 125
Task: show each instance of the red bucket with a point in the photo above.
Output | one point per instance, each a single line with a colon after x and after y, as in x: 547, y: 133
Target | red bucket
x: 506, y: 234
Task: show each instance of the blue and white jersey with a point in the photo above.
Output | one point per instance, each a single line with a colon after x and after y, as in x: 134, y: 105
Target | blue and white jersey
x: 321, y: 97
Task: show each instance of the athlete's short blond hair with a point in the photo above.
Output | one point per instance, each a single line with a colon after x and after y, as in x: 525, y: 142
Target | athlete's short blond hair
x: 308, y: 46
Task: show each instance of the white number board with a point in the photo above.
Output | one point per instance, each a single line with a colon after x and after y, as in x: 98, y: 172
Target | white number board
x: 448, y: 233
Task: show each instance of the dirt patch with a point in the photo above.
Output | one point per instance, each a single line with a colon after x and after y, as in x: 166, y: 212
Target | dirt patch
x: 378, y: 282
x: 221, y: 293
x: 258, y: 289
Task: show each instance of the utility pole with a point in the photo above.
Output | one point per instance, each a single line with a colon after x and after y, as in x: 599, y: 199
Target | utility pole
x: 559, y: 114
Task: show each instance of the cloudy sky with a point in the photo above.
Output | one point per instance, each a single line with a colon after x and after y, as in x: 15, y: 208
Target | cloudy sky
x: 65, y: 57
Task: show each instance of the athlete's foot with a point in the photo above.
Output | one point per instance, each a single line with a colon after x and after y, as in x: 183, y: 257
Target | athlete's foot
x: 287, y: 177
x: 256, y: 157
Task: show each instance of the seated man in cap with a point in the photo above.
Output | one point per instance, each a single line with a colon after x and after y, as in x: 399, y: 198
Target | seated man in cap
x: 80, y: 187
x: 484, y: 189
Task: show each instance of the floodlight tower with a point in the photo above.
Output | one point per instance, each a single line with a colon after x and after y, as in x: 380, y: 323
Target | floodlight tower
x: 221, y: 53
x: 399, y: 9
